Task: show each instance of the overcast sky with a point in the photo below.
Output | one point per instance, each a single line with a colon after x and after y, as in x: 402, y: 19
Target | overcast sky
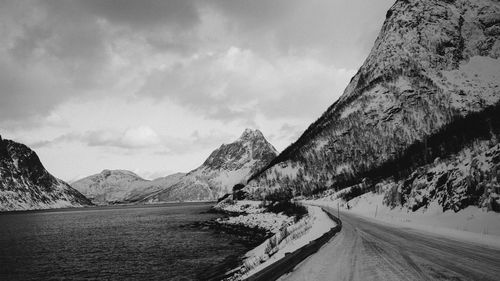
x: 155, y: 86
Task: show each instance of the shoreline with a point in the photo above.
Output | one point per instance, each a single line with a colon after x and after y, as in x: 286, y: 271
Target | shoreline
x: 250, y: 237
x: 305, y: 237
x: 102, y: 207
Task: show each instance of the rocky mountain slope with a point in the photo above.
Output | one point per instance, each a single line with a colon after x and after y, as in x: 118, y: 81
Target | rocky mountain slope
x: 26, y: 185
x: 469, y: 177
x: 429, y: 88
x: 121, y: 186
x: 228, y: 165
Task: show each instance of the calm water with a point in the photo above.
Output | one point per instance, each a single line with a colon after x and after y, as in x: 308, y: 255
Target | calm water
x: 111, y: 243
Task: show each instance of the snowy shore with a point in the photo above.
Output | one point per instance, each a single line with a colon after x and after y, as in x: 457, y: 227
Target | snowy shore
x: 288, y: 234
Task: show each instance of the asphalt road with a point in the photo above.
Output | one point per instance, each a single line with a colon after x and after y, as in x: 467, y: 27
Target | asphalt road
x: 368, y: 250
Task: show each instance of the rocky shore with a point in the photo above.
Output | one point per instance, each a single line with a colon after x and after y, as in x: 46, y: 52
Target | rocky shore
x: 285, y: 227
x: 249, y: 236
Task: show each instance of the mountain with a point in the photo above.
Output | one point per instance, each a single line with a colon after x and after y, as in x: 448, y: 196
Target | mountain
x: 121, y: 186
x: 139, y: 193
x: 26, y: 185
x: 427, y: 94
x: 227, y: 166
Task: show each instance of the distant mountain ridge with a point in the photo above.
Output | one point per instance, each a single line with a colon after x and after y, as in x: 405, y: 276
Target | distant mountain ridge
x: 434, y: 69
x: 121, y: 186
x: 26, y: 185
x: 228, y: 165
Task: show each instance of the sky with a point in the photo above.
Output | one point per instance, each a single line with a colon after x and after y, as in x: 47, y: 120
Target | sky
x: 154, y: 86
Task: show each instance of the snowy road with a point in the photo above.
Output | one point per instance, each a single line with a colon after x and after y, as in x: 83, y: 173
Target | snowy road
x: 367, y: 250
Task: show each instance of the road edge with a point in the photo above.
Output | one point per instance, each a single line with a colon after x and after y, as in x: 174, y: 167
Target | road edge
x: 291, y: 260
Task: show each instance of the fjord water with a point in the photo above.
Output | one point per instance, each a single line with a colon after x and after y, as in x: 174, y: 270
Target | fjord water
x: 112, y: 243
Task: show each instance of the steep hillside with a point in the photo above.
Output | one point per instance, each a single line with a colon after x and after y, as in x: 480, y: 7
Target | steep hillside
x: 120, y: 186
x: 26, y: 185
x: 228, y: 165
x: 470, y: 177
x: 434, y: 70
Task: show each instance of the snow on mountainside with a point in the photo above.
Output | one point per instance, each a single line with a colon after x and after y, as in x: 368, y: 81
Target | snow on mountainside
x: 429, y: 88
x: 228, y: 165
x: 121, y: 186
x: 26, y: 185
x: 468, y: 178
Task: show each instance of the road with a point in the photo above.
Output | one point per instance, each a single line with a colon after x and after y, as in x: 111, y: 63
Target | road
x: 368, y: 250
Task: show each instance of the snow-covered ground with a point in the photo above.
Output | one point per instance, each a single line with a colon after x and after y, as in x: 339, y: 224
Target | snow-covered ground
x: 242, y: 206
x: 269, y: 221
x: 471, y: 224
x: 288, y: 236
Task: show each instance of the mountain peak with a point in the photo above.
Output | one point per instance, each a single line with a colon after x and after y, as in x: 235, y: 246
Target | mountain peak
x: 252, y: 145
x: 226, y: 166
x: 250, y: 134
x: 107, y: 172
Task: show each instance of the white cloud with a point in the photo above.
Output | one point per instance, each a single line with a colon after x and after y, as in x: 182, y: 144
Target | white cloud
x: 140, y: 137
x: 157, y: 85
x: 239, y: 84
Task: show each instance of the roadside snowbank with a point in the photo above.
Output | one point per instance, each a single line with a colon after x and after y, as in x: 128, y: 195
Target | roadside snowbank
x: 306, y: 230
x: 288, y: 236
x: 470, y: 224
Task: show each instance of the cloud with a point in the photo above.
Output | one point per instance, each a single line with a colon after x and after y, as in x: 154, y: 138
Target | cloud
x: 215, y: 66
x: 212, y: 139
x: 239, y: 84
x: 46, y: 58
x: 55, y: 51
x: 335, y: 30
x: 60, y: 50
x: 139, y: 138
x: 58, y: 140
x: 25, y: 91
x: 292, y: 132
x: 144, y: 14
x: 132, y: 138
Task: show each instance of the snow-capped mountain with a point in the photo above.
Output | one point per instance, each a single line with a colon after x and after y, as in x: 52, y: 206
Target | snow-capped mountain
x: 26, y: 185
x: 228, y: 165
x: 121, y: 186
x: 429, y: 88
